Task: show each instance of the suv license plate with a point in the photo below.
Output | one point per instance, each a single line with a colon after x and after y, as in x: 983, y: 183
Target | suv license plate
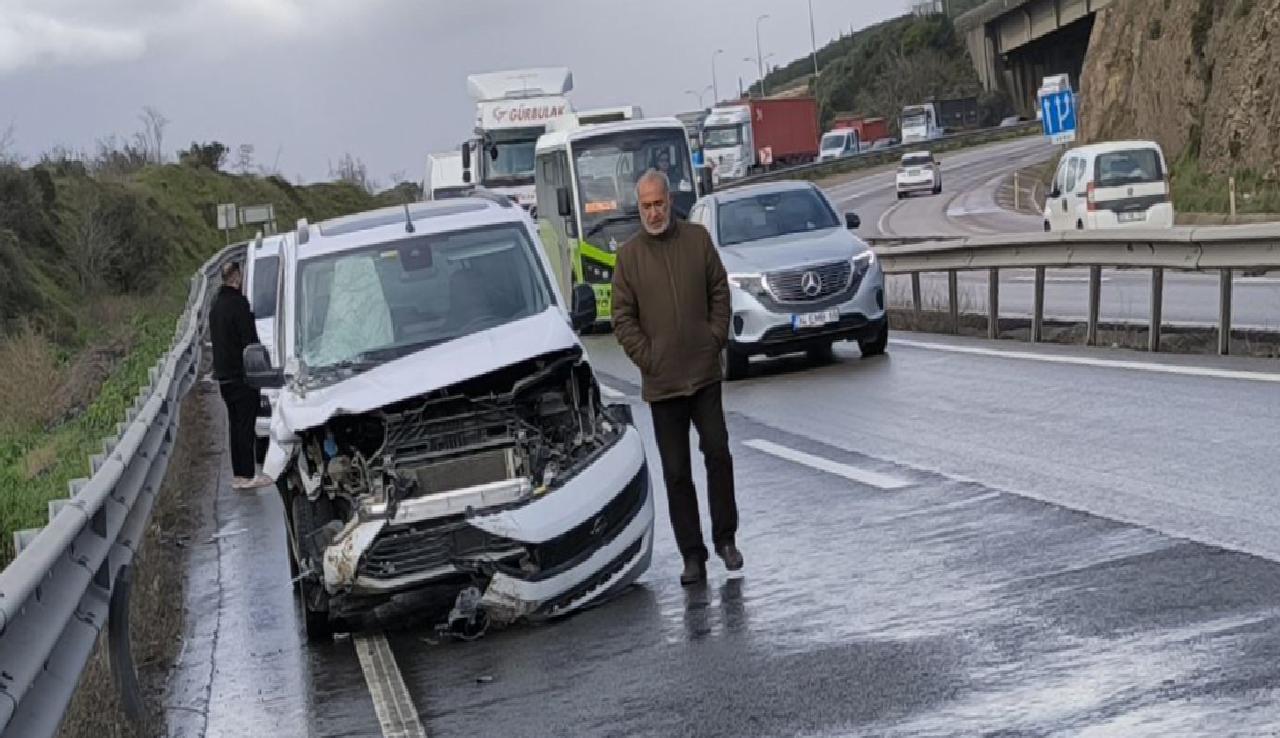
x: 815, y: 320
x: 1131, y: 217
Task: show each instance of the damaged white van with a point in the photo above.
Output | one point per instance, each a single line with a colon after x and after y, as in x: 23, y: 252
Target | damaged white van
x: 439, y: 439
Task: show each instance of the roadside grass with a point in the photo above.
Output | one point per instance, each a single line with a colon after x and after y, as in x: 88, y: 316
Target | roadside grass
x: 40, y: 455
x: 1197, y: 191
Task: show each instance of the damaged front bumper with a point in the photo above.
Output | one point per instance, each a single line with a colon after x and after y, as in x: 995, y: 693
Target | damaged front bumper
x: 532, y: 556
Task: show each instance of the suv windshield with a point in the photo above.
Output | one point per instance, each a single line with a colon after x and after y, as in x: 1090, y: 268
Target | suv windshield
x: 360, y: 308
x: 773, y: 214
x: 1132, y: 166
x: 266, y: 271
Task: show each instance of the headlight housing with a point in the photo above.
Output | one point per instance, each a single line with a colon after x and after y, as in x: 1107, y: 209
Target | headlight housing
x: 863, y: 261
x: 752, y: 284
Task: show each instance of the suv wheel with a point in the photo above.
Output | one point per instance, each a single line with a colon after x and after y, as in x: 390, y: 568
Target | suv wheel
x: 734, y: 364
x: 877, y: 345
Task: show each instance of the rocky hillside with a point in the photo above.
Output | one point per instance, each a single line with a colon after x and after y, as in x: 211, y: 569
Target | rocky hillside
x: 1199, y: 76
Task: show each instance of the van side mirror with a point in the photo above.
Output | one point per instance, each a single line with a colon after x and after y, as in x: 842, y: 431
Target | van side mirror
x: 852, y: 221
x: 258, y: 372
x: 564, y: 202
x: 706, y: 183
x: 1055, y: 193
x: 583, y: 313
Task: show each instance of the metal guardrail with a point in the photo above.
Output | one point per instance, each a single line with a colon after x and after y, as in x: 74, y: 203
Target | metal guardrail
x: 1221, y: 249
x: 71, y: 577
x: 887, y: 155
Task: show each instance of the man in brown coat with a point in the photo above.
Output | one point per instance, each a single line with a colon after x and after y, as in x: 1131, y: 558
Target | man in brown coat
x: 671, y: 314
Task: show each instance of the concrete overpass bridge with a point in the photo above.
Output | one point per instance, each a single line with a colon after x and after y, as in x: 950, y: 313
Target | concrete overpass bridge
x: 1016, y: 43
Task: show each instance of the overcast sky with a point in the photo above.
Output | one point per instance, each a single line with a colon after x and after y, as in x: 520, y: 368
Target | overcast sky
x: 306, y: 80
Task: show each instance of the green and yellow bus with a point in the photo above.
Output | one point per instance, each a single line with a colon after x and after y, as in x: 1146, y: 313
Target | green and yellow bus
x: 585, y: 177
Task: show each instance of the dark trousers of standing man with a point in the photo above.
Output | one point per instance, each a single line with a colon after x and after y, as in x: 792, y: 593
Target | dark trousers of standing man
x: 671, y: 420
x: 242, y: 410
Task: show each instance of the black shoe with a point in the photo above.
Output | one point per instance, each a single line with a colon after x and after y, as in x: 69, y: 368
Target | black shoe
x: 695, y: 570
x: 731, y: 555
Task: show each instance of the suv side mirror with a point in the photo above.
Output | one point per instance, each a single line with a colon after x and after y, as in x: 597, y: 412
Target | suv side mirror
x: 852, y: 221
x: 258, y: 372
x: 583, y: 313
x: 466, y: 163
x: 564, y: 202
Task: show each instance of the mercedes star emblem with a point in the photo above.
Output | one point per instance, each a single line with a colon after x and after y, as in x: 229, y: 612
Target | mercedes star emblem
x: 811, y: 284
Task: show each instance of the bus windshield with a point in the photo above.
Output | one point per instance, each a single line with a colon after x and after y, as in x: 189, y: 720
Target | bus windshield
x: 608, y: 168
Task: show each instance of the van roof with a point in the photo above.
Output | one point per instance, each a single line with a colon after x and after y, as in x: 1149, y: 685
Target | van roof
x: 1109, y: 146
x: 388, y: 224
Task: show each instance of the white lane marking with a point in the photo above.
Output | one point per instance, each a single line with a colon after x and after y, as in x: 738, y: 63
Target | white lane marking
x: 611, y: 393
x: 885, y: 216
x: 862, y: 476
x: 391, y: 701
x: 1141, y: 366
x: 934, y: 509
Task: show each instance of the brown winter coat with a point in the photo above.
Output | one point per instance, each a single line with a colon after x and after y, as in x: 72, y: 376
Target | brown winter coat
x: 671, y: 309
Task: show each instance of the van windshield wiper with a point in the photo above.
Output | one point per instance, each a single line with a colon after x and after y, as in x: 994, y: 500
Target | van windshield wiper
x: 366, y: 360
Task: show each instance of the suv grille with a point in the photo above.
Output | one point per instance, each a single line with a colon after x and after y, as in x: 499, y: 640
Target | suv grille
x: 827, y: 280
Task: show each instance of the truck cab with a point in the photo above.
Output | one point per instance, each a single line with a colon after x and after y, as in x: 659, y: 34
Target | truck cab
x: 920, y: 123
x: 727, y: 142
x: 513, y: 108
x: 839, y: 143
x: 444, y: 177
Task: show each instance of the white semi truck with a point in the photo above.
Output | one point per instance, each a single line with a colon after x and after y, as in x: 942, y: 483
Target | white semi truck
x: 513, y: 108
x: 444, y: 177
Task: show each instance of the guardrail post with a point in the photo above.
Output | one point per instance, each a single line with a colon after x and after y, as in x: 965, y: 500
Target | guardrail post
x: 1157, y: 309
x: 993, y: 304
x: 916, y: 303
x: 1224, y: 312
x: 953, y: 299
x: 1095, y: 303
x: 1037, y: 310
x: 120, y: 650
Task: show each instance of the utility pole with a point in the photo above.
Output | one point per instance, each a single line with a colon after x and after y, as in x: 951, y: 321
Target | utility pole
x: 759, y: 54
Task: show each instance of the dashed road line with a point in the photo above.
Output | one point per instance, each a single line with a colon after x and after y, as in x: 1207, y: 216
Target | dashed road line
x: 853, y: 473
x: 1142, y: 366
x: 391, y: 701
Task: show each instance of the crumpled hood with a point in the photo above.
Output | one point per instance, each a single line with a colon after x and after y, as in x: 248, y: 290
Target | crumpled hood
x: 790, y: 251
x: 424, y: 371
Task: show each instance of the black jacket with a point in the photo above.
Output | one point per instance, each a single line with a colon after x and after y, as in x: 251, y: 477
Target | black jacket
x: 231, y: 328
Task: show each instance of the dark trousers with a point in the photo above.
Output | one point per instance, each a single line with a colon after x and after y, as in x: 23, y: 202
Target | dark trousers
x: 242, y: 410
x: 671, y: 419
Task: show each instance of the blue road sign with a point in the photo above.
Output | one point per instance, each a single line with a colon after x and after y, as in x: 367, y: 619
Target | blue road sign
x: 1058, y: 115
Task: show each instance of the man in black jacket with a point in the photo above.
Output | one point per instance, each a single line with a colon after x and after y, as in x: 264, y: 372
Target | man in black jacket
x: 231, y: 329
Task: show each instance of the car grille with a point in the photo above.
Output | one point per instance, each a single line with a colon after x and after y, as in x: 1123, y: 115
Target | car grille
x: 564, y: 550
x: 411, y: 549
x: 789, y: 286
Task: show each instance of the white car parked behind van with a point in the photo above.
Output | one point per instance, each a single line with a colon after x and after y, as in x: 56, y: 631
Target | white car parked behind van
x: 1122, y: 184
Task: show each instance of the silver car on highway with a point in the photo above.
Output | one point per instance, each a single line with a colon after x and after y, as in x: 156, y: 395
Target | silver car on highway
x: 800, y: 279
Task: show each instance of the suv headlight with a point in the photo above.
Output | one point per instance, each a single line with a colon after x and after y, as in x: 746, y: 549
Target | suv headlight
x: 862, y: 262
x: 752, y: 284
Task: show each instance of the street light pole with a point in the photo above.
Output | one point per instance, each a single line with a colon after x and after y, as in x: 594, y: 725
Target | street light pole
x: 759, y: 54
x: 715, y: 84
x: 813, y: 39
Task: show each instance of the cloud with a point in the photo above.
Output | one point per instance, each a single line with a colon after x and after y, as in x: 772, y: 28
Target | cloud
x: 30, y: 38
x: 36, y: 33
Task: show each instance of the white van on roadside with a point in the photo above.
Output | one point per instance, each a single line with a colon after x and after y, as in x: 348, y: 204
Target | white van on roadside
x: 1120, y: 184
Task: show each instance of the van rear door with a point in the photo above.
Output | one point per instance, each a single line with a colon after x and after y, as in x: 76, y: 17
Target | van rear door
x: 1127, y: 184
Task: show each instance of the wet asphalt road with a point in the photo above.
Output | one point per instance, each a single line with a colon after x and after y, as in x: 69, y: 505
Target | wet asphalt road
x: 954, y: 604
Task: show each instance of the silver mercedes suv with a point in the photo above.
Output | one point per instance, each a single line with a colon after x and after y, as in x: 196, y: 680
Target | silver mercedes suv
x: 800, y: 279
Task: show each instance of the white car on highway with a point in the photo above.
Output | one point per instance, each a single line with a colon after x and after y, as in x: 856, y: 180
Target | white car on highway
x: 261, y: 280
x: 1122, y: 184
x: 800, y: 280
x: 918, y: 172
x: 439, y: 439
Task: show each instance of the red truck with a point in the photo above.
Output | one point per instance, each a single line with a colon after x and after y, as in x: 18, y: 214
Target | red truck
x: 869, y: 130
x: 761, y: 134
